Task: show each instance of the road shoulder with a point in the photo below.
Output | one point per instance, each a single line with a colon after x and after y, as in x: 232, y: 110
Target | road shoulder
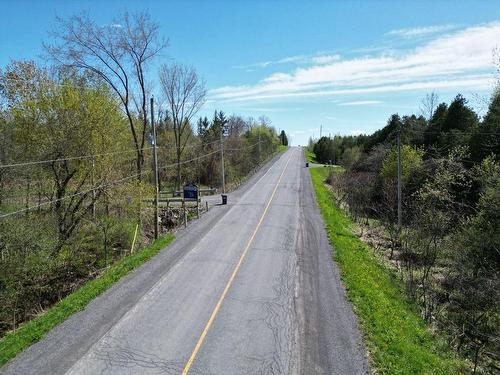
x: 328, y: 328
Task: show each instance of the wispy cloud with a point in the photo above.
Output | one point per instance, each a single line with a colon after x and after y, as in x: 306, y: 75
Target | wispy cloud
x: 264, y: 64
x: 413, y: 32
x: 325, y: 59
x: 361, y: 102
x: 462, y: 59
x: 297, y: 59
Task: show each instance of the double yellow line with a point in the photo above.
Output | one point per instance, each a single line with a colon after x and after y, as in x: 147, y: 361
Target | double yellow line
x: 204, y: 333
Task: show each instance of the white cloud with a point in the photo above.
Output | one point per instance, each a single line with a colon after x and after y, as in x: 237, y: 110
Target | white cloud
x: 320, y: 58
x: 361, y: 102
x: 325, y: 59
x: 265, y: 64
x: 420, y: 31
x: 462, y: 59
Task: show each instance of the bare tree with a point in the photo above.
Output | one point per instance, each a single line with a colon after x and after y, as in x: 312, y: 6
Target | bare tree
x: 185, y: 94
x: 264, y: 121
x: 119, y: 54
x: 429, y: 104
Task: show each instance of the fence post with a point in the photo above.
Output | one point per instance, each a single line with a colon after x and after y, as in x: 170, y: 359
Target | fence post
x: 185, y: 213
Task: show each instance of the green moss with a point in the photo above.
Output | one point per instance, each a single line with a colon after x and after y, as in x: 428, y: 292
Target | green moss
x: 34, y: 330
x: 397, y: 338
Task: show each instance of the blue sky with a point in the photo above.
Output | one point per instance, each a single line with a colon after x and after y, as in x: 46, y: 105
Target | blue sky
x: 345, y: 65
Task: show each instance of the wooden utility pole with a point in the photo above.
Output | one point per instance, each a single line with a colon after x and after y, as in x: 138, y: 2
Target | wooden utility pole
x: 399, y: 180
x: 222, y: 161
x: 155, y: 169
x: 260, y: 128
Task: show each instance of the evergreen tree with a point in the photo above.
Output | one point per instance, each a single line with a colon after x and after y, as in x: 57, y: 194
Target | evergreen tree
x: 431, y: 135
x: 284, y: 139
x: 459, y: 116
x: 485, y: 139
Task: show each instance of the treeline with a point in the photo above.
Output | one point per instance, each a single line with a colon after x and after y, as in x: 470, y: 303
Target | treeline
x: 447, y: 250
x: 247, y: 142
x: 76, y: 156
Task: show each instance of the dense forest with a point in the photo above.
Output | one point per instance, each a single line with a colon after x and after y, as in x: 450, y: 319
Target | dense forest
x: 76, y: 156
x: 447, y: 249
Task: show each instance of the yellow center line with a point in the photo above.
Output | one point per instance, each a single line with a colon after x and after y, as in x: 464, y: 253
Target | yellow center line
x: 203, y: 335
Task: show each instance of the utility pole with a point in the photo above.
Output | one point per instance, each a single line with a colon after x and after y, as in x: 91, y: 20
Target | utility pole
x: 155, y: 169
x: 222, y: 160
x: 260, y: 128
x: 320, y: 131
x: 399, y: 180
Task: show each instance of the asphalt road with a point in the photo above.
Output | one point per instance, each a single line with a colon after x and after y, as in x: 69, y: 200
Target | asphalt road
x: 248, y: 289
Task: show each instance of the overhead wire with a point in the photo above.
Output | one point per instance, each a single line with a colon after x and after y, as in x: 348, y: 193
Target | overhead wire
x: 243, y: 148
x: 26, y: 209
x: 438, y: 133
x: 35, y: 162
x: 115, y: 182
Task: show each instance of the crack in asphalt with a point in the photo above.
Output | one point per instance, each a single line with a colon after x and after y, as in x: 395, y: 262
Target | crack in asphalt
x: 115, y: 354
x: 280, y: 312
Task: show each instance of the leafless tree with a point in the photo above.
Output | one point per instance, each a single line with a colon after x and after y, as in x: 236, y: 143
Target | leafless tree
x: 429, y: 104
x: 185, y: 94
x: 120, y: 54
x: 236, y: 126
x: 264, y: 121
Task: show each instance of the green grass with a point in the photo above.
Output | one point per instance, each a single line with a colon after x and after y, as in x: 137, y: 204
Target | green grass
x: 32, y: 331
x: 397, y: 338
x: 310, y: 156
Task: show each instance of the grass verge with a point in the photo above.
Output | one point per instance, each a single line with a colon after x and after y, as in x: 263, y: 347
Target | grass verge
x: 34, y: 330
x: 282, y: 148
x: 310, y: 156
x: 397, y: 338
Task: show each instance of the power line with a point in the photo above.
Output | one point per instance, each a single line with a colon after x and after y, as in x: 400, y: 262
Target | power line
x: 27, y: 209
x: 243, y: 148
x: 71, y: 158
x: 190, y: 160
x: 438, y: 133
x: 188, y: 146
x: 35, y: 162
x: 71, y: 195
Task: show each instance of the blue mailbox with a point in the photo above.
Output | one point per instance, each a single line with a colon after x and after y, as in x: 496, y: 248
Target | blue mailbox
x: 190, y: 192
